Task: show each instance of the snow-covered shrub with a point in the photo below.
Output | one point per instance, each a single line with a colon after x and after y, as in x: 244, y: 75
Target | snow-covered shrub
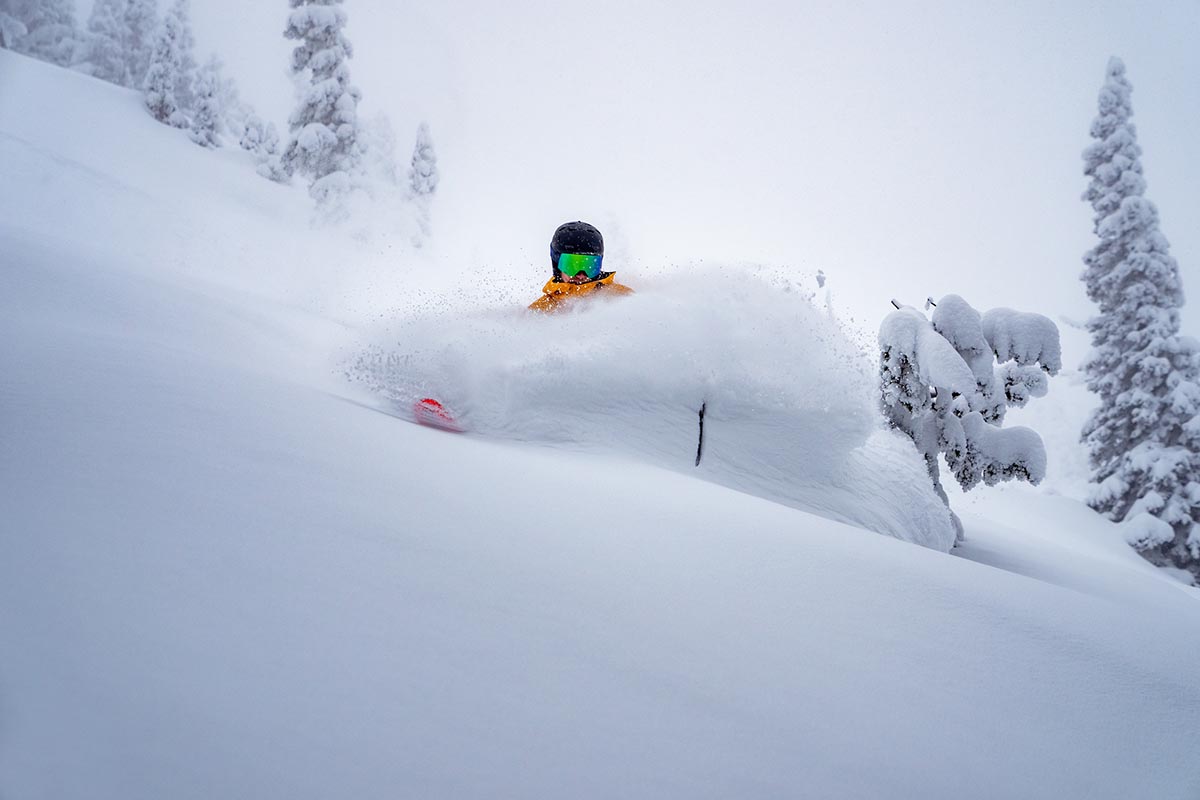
x: 941, y: 384
x: 163, y: 76
x: 207, y: 124
x: 324, y: 127
x: 1144, y: 439
x: 423, y: 180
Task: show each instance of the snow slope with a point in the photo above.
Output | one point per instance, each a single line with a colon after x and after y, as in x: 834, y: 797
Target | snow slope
x: 218, y: 578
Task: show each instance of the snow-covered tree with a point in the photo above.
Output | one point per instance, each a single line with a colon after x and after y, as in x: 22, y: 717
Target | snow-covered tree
x: 262, y: 141
x: 1144, y: 439
x: 234, y: 112
x: 11, y: 28
x: 207, y: 123
x: 948, y: 383
x: 270, y: 164
x: 324, y: 127
x: 104, y: 48
x: 377, y: 138
x: 43, y: 29
x: 186, y: 75
x: 141, y: 22
x: 423, y: 173
x: 423, y: 180
x: 162, y: 77
x: 118, y: 42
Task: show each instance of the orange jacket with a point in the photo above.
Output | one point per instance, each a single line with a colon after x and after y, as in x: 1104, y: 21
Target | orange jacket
x: 557, y: 295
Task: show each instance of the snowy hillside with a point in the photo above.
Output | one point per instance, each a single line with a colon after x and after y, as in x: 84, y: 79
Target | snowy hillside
x: 224, y: 574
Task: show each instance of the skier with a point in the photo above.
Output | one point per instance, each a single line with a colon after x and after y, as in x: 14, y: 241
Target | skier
x: 575, y: 255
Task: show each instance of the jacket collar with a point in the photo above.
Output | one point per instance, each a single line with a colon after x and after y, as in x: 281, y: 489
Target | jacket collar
x: 564, y: 288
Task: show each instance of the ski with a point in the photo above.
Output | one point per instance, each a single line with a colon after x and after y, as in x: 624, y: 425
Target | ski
x: 432, y: 414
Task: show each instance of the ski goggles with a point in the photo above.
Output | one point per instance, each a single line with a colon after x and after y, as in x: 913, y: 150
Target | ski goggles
x: 571, y: 264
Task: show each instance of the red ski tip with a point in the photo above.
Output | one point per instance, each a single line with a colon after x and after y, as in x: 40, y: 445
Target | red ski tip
x: 433, y: 414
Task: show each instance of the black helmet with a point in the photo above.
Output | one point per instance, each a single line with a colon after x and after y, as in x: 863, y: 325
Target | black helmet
x: 578, y: 238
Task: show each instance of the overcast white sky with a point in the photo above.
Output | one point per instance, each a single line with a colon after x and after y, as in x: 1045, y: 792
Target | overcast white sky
x: 904, y: 150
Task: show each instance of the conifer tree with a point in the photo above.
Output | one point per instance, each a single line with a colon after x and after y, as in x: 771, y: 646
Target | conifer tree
x: 11, y: 28
x: 324, y: 127
x: 377, y: 142
x: 207, y: 118
x: 47, y: 29
x: 235, y: 113
x: 141, y: 23
x: 423, y: 180
x: 262, y: 141
x: 948, y: 383
x: 104, y: 53
x: 423, y: 174
x: 1144, y: 439
x: 253, y: 135
x: 187, y: 54
x: 163, y: 74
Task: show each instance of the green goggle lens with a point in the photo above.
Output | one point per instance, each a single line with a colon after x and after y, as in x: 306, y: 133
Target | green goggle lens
x: 571, y: 264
